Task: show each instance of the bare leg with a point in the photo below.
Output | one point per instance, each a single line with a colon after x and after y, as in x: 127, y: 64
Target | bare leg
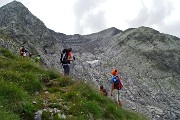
x: 119, y: 103
x: 118, y: 100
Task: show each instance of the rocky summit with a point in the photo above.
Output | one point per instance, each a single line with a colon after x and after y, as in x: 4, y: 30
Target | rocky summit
x: 148, y: 61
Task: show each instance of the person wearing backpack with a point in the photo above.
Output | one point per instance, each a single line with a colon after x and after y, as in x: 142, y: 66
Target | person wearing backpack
x: 103, y: 91
x: 116, y: 86
x: 22, y: 50
x: 66, y: 59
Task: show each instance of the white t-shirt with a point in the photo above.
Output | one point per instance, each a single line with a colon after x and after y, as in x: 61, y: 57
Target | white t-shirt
x: 24, y: 54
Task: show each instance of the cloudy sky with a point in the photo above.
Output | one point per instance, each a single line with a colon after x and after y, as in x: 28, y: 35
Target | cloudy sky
x: 90, y: 16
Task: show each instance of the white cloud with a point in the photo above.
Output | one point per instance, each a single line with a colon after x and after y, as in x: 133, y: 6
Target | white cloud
x: 89, y: 16
x: 118, y: 12
x: 56, y: 14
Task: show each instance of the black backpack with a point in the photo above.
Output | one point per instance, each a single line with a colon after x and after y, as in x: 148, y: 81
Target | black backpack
x: 64, y: 57
x: 117, y: 84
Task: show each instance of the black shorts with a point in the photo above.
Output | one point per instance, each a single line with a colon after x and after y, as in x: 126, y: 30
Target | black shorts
x: 66, y: 69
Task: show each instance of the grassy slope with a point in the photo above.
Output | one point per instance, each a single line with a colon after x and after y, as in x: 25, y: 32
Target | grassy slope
x: 23, y: 81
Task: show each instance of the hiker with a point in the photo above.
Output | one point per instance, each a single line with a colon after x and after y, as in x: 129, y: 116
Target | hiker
x: 22, y: 50
x: 38, y: 59
x: 66, y: 59
x: 116, y: 86
x: 30, y: 54
x: 103, y: 91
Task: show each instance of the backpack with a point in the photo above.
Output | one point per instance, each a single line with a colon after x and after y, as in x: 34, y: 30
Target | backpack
x: 22, y: 49
x: 64, y: 57
x: 117, y: 84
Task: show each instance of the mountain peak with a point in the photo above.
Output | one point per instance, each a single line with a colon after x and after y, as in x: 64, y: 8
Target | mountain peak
x: 14, y: 4
x: 106, y: 33
x: 112, y: 31
x: 13, y: 8
x: 15, y: 17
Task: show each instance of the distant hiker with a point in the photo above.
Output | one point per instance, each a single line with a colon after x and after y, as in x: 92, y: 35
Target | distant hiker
x: 103, y: 91
x: 30, y: 54
x: 66, y: 59
x: 38, y: 59
x: 22, y: 50
x: 116, y: 86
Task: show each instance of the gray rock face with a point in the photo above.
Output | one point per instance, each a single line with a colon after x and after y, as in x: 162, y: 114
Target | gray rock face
x: 147, y: 60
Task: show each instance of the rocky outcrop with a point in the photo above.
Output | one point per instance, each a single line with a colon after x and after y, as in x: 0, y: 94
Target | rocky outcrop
x: 148, y: 61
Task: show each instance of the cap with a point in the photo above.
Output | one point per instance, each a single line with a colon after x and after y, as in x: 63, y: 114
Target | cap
x: 114, y: 72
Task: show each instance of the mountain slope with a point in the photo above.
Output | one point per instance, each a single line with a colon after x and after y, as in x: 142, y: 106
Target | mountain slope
x: 148, y: 61
x: 26, y: 89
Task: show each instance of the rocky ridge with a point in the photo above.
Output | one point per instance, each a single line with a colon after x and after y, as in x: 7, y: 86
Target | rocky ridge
x: 148, y: 61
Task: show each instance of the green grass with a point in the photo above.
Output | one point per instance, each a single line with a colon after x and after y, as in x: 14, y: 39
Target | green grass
x: 23, y: 81
x: 6, y: 115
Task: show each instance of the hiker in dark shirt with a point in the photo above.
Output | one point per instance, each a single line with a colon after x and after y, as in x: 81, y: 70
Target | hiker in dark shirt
x: 22, y: 50
x: 66, y: 59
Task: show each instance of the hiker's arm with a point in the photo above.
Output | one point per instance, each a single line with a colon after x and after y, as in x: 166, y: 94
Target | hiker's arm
x: 69, y: 58
x: 122, y: 86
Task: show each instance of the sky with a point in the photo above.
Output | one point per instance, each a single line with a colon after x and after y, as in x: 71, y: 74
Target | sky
x: 91, y: 16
